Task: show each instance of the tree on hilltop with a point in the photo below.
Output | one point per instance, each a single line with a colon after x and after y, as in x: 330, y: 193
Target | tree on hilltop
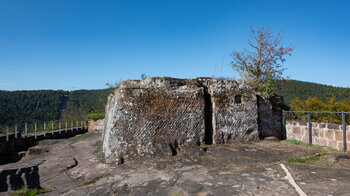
x: 261, y: 66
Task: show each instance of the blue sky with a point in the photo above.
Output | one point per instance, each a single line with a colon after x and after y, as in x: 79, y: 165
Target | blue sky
x: 70, y: 44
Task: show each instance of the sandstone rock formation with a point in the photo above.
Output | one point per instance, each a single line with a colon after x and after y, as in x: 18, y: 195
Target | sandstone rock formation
x: 95, y: 125
x: 161, y: 114
x: 270, y: 117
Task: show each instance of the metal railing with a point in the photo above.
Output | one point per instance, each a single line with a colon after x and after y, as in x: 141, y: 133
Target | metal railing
x: 284, y: 113
x: 43, y: 128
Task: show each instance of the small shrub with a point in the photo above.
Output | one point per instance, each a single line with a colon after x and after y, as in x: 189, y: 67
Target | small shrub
x: 95, y: 116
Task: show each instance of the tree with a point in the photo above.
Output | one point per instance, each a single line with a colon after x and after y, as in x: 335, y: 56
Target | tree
x: 262, y: 66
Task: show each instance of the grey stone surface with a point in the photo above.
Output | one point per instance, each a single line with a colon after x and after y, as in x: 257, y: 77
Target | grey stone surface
x: 270, y: 117
x: 232, y: 120
x: 155, y: 115
x: 162, y: 114
x: 75, y: 166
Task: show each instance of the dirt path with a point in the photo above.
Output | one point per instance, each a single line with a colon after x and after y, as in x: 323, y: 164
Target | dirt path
x: 75, y: 167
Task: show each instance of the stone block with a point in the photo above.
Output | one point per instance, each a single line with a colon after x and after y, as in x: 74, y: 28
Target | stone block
x: 333, y: 126
x: 329, y: 134
x: 339, y: 135
x: 296, y: 130
x: 166, y: 113
x: 233, y: 119
x: 339, y: 145
x: 270, y: 116
x: 322, y: 142
x: 315, y: 132
x: 332, y: 143
x: 322, y: 125
x: 158, y: 115
x: 302, y: 123
x: 321, y: 132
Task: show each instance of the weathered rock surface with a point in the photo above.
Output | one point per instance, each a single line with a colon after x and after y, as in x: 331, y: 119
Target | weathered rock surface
x: 235, y: 112
x: 270, y: 117
x: 159, y: 115
x: 75, y: 167
x: 153, y: 115
x: 95, y: 125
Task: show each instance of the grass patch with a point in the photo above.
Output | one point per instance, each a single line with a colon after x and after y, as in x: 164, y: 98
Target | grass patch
x: 29, y: 192
x: 296, y: 142
x: 319, y: 147
x: 92, y: 181
x: 308, y: 160
x: 226, y: 164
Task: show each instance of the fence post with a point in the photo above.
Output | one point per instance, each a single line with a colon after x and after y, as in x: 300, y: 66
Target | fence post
x: 76, y: 128
x: 66, y: 125
x: 52, y: 127
x: 310, y: 127
x: 16, y: 131
x: 35, y: 127
x: 59, y: 127
x: 26, y: 130
x: 44, y: 128
x: 81, y: 124
x: 284, y: 129
x: 344, y: 131
x: 85, y: 124
x: 71, y: 123
x: 7, y: 133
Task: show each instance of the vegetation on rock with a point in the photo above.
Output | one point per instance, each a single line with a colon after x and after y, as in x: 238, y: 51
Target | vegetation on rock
x: 261, y: 66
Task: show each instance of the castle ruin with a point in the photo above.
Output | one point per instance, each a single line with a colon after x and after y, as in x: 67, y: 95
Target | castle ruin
x: 160, y: 114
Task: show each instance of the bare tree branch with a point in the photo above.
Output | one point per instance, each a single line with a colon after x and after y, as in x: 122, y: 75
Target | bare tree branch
x: 261, y: 66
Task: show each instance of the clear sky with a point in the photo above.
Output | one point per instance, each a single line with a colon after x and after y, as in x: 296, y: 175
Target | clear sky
x: 71, y: 44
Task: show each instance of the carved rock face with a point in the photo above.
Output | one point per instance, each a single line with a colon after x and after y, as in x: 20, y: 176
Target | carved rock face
x: 235, y: 112
x: 157, y: 115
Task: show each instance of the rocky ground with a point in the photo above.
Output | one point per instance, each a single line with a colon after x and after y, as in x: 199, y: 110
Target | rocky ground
x: 75, y: 166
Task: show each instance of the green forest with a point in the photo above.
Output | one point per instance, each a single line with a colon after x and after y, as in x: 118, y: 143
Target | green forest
x: 83, y: 102
x: 44, y: 105
x: 291, y: 89
x: 30, y: 106
x: 18, y: 107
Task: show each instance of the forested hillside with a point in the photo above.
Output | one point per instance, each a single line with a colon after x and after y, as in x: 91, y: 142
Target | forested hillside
x: 29, y: 106
x: 291, y: 89
x: 40, y: 105
x: 83, y: 102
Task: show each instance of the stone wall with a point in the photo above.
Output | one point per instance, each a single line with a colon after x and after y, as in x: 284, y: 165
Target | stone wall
x: 326, y: 134
x: 159, y: 115
x: 235, y: 113
x: 154, y: 115
x: 270, y: 117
